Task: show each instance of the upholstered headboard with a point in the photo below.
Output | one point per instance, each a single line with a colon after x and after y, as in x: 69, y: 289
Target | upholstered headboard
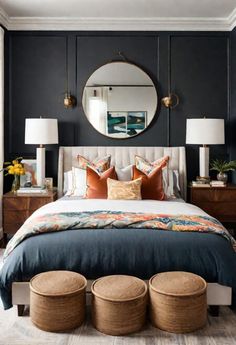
x: 122, y: 156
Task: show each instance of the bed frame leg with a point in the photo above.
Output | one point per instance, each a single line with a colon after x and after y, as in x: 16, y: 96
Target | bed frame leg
x: 214, y: 310
x: 20, y: 309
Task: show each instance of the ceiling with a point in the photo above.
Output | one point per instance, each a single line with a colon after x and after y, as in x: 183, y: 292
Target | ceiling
x: 215, y: 15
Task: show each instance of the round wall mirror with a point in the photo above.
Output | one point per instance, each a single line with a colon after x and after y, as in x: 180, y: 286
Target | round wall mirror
x: 119, y: 100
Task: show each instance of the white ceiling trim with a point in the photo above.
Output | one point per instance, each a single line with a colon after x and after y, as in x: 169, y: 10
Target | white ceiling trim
x: 4, y: 18
x: 119, y: 24
x: 232, y: 20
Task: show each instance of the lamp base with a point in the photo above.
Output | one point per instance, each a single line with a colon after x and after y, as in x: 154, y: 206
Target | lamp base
x: 204, y: 162
x: 40, y: 157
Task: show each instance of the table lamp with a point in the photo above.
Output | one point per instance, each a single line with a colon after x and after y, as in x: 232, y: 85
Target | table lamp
x: 205, y: 132
x: 41, y: 132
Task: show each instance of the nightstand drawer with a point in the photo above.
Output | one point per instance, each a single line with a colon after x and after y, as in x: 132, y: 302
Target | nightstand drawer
x: 35, y: 203
x: 201, y: 194
x: 11, y: 228
x: 12, y: 217
x: 213, y: 194
x: 17, y: 208
x: 15, y: 204
x: 217, y: 202
x: 224, y: 195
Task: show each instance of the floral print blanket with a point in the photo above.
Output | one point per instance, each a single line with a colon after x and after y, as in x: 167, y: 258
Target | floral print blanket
x: 116, y: 219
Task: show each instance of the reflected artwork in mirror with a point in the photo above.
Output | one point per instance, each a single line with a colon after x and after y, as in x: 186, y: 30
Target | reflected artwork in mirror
x: 120, y: 100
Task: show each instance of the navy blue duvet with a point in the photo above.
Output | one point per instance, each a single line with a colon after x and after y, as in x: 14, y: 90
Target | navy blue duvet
x: 138, y: 252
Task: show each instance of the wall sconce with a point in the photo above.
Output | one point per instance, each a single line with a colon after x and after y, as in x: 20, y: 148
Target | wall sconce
x: 69, y: 100
x: 170, y: 101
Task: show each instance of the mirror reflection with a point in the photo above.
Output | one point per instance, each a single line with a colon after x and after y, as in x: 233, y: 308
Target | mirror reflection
x: 119, y: 100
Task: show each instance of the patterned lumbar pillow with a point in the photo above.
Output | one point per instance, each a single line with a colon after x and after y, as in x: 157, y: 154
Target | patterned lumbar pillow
x: 147, y: 167
x: 124, y: 190
x: 100, y: 164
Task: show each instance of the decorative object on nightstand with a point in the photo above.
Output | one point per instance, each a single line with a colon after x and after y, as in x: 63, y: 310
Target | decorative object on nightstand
x: 41, y: 132
x: 201, y: 182
x: 15, y: 168
x: 48, y: 183
x: 217, y: 183
x: 222, y: 167
x: 17, y: 208
x: 216, y: 201
x: 205, y: 132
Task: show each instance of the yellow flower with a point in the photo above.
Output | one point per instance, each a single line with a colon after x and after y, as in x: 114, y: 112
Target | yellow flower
x: 14, y: 162
x: 17, y: 171
x: 11, y: 171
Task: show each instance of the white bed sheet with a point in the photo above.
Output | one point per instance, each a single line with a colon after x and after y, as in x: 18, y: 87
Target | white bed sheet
x: 145, y: 206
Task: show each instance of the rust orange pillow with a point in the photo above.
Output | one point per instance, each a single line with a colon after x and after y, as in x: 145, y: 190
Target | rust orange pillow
x: 152, y: 186
x: 97, y: 184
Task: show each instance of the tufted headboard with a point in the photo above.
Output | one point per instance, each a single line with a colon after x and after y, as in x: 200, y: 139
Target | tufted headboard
x: 122, y: 156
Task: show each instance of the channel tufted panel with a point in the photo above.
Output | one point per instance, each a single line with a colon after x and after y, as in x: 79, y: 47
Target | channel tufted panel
x: 122, y: 156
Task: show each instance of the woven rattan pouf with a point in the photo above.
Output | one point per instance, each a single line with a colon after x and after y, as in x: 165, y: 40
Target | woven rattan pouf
x: 178, y: 301
x: 119, y: 304
x: 57, y: 300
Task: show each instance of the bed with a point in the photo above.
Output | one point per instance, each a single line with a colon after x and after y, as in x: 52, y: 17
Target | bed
x: 133, y: 251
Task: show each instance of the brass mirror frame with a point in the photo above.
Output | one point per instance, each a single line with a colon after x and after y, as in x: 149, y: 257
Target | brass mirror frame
x: 132, y: 64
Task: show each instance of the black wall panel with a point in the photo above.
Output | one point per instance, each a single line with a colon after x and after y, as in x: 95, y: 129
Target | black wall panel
x: 199, y: 75
x: 233, y: 100
x: 193, y: 65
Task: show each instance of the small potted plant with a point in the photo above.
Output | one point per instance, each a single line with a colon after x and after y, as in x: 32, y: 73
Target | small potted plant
x: 222, y: 167
x: 14, y: 168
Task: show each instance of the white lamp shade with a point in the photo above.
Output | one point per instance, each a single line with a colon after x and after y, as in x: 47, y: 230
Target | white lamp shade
x: 205, y: 131
x: 41, y: 131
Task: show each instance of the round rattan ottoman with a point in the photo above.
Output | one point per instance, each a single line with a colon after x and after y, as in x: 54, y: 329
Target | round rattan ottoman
x: 119, y: 304
x: 178, y: 301
x: 57, y: 300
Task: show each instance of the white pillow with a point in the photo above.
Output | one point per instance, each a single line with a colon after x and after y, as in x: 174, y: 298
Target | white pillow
x: 171, y: 183
x: 68, y: 183
x: 124, y: 174
x: 79, y: 181
x: 75, y: 182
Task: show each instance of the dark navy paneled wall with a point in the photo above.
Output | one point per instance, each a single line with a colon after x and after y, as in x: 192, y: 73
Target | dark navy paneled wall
x: 193, y: 65
x: 233, y: 99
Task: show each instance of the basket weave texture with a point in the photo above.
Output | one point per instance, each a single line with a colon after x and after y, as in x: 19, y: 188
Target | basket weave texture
x: 119, y: 304
x: 178, y: 301
x: 57, y: 300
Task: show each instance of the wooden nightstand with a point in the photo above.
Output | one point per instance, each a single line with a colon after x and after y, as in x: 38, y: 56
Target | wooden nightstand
x: 219, y: 202
x: 17, y: 208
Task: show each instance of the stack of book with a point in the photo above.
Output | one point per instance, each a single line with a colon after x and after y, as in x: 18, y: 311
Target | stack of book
x: 32, y: 190
x: 200, y: 184
x: 216, y: 183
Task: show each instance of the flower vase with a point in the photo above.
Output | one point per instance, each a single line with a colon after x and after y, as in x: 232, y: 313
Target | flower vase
x: 16, y: 183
